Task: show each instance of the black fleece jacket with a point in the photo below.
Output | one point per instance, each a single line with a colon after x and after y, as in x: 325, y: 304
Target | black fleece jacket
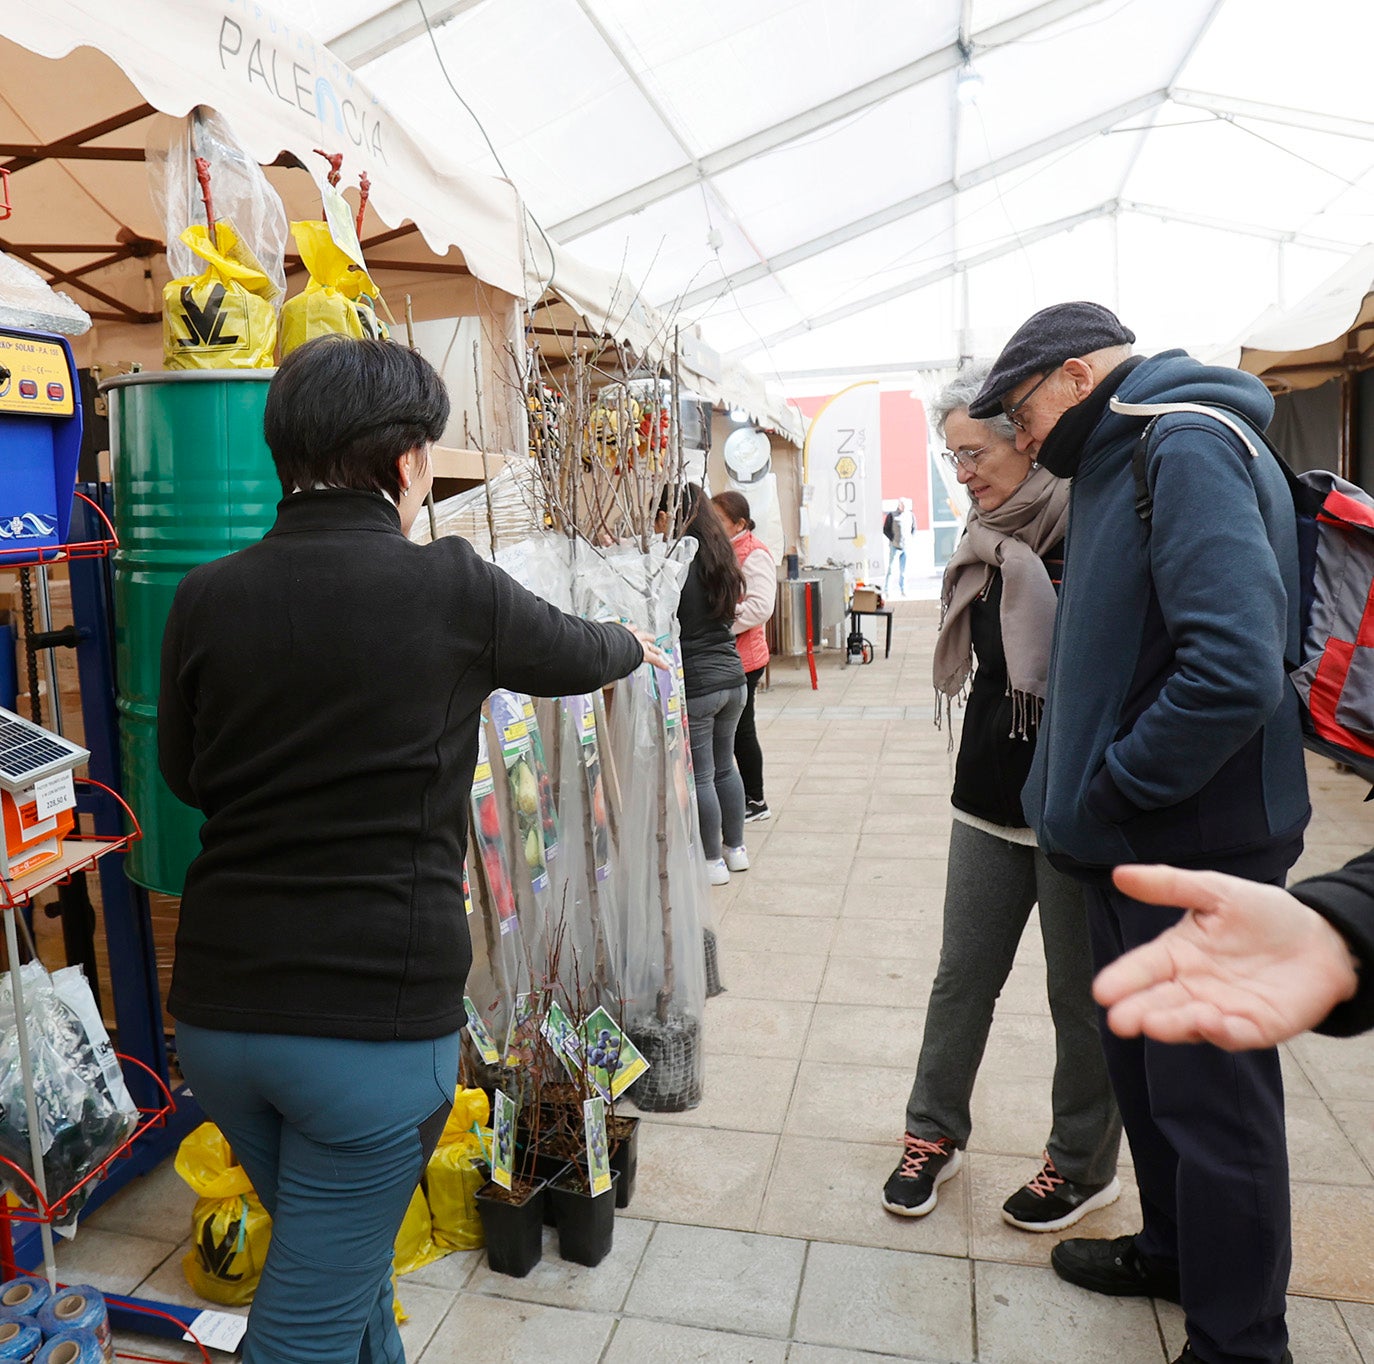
x: 320, y: 702
x: 1345, y: 898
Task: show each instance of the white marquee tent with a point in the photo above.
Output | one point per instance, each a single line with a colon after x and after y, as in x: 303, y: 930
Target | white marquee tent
x: 839, y: 185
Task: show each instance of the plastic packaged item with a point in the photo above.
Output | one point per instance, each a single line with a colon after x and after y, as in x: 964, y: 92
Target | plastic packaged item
x: 76, y: 1310
x: 340, y: 295
x: 225, y: 317
x: 230, y: 1229
x: 82, y: 1119
x: 454, y: 1175
x: 29, y: 302
x: 23, y: 1296
x: 71, y: 1347
x: 20, y: 1339
x: 242, y: 192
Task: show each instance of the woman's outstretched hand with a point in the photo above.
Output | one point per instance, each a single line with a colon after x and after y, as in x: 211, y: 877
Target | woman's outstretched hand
x: 1247, y: 966
x: 652, y: 653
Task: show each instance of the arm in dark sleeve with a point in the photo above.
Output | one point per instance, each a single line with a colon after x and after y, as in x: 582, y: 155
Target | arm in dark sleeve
x: 1345, y: 899
x: 542, y: 651
x: 176, y: 722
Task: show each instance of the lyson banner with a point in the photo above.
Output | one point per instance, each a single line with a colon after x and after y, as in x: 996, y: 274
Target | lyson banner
x: 281, y: 91
x: 843, y: 462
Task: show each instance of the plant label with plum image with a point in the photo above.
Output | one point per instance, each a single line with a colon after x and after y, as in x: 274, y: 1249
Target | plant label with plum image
x: 583, y: 712
x: 562, y: 1037
x: 614, y: 1063
x: 486, y: 818
x: 481, y: 1034
x: 520, y: 1034
x: 517, y: 752
x: 665, y: 682
x: 598, y: 1153
x: 502, y: 1139
x: 548, y: 810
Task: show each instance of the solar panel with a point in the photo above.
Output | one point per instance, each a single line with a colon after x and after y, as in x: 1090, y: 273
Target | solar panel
x: 28, y: 752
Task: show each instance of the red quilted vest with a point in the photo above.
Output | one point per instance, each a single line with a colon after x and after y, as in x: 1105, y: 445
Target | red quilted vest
x: 752, y: 644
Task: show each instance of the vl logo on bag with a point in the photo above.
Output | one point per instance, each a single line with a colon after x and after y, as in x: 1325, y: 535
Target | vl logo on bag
x: 206, y: 322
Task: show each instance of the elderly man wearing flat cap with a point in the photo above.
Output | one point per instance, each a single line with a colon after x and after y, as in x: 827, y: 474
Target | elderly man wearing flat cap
x: 1170, y: 735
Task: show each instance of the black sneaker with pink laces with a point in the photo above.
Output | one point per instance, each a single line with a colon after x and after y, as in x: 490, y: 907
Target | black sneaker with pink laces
x: 1049, y: 1202
x: 912, y: 1189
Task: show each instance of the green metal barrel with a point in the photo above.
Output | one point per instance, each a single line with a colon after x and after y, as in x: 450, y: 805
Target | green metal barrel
x: 193, y: 480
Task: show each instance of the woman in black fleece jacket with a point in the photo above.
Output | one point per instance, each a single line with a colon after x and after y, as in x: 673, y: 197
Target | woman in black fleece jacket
x: 320, y: 702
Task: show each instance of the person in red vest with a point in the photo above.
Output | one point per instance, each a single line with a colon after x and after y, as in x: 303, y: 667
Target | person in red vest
x: 760, y: 595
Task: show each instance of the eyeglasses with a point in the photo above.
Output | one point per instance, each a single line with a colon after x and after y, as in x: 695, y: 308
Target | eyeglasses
x: 1010, y: 413
x: 964, y: 459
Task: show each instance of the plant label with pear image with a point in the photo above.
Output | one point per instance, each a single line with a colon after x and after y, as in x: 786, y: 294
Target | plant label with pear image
x: 517, y: 752
x: 520, y: 1032
x: 598, y: 1152
x: 481, y: 1034
x: 614, y: 1063
x: 548, y: 810
x: 503, y: 1139
x: 562, y: 1037
x: 583, y: 711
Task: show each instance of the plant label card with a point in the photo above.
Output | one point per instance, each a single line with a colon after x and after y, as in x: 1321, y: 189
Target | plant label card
x: 519, y: 1036
x: 548, y: 811
x: 503, y: 1139
x: 517, y: 752
x: 614, y: 1063
x: 582, y: 710
x: 562, y: 1037
x: 481, y: 1034
x: 486, y: 811
x: 467, y: 890
x: 598, y: 1156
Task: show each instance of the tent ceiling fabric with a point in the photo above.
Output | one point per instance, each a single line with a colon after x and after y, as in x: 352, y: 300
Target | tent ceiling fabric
x: 804, y: 180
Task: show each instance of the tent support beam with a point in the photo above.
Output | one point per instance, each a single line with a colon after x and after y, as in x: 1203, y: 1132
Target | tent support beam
x: 1224, y: 106
x: 910, y: 286
x: 392, y: 28
x: 938, y: 63
x: 29, y: 156
x: 1035, y: 151
x: 1273, y: 234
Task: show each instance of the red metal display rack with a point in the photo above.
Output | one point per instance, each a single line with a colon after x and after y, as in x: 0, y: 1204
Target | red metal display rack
x: 34, y: 556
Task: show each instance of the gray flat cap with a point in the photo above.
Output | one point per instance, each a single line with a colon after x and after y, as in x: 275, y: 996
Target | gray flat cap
x: 1045, y: 340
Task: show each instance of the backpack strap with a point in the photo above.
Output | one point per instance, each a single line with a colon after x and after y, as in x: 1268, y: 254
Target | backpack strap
x: 1144, y: 502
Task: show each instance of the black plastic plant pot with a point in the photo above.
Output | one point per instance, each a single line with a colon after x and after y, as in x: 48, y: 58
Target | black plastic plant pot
x: 586, y: 1225
x: 545, y: 1169
x: 514, y: 1231
x: 624, y: 1135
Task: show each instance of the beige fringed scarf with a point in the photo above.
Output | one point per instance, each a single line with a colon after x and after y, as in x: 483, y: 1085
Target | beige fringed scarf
x: 1012, y: 538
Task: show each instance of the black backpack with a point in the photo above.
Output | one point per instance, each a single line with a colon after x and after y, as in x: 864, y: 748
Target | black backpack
x: 887, y: 525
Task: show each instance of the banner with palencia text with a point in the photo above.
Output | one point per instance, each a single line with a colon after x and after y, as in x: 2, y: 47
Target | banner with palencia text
x: 842, y: 457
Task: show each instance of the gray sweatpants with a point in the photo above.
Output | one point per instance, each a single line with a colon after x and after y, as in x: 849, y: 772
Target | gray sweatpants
x: 989, y: 890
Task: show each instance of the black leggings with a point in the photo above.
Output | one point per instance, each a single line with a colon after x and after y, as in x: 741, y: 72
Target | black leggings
x: 748, y: 754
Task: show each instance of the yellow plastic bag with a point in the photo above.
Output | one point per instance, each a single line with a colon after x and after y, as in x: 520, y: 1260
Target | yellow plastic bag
x: 225, y: 318
x: 338, y: 298
x: 415, y: 1246
x: 454, y: 1175
x: 230, y: 1229
x: 471, y: 1108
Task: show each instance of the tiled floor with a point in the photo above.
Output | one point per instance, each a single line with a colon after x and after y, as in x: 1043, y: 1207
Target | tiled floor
x: 756, y: 1232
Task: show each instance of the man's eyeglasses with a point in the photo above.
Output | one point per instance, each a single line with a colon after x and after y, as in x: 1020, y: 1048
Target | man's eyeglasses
x: 1010, y: 413
x: 964, y: 459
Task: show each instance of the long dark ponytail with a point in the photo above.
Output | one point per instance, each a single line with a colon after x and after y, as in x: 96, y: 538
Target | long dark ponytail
x: 717, y: 564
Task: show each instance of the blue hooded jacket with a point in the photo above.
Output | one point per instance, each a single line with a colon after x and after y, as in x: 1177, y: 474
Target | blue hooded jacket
x: 1171, y: 732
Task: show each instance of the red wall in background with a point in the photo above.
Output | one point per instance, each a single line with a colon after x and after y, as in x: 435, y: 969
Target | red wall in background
x: 906, y: 465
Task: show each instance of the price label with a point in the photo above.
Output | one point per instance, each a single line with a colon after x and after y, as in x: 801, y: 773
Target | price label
x: 54, y: 793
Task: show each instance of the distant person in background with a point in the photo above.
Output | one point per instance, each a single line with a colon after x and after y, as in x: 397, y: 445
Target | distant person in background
x: 713, y: 679
x: 900, y: 528
x: 760, y: 596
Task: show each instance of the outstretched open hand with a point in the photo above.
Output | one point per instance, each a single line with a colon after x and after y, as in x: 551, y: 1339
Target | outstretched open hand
x: 1247, y: 966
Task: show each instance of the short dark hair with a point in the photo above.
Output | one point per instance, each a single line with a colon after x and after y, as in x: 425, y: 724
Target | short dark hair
x: 341, y: 411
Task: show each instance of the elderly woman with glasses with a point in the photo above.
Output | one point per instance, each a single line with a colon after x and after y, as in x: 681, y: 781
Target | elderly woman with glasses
x: 998, y: 604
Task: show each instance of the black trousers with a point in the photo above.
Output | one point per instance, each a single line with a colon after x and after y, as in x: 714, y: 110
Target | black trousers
x: 1207, y: 1136
x: 748, y: 754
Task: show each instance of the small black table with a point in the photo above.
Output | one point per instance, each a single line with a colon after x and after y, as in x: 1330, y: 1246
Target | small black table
x: 873, y: 611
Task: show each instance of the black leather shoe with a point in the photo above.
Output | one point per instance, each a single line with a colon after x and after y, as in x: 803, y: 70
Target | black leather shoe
x: 1114, y: 1267
x: 1188, y: 1357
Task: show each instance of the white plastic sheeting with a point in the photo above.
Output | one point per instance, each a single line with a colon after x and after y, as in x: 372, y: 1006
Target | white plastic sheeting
x: 806, y: 177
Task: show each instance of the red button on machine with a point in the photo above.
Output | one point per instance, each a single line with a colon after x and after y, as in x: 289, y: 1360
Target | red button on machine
x: 28, y: 388
x: 56, y: 392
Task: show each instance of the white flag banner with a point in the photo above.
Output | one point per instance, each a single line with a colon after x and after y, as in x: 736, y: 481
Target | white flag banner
x: 843, y: 461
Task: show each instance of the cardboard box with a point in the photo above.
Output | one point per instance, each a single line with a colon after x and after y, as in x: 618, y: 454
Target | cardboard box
x: 864, y: 599
x: 34, y: 835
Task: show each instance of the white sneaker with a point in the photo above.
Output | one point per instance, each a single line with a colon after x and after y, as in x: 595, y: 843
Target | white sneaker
x: 737, y: 859
x: 717, y: 872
